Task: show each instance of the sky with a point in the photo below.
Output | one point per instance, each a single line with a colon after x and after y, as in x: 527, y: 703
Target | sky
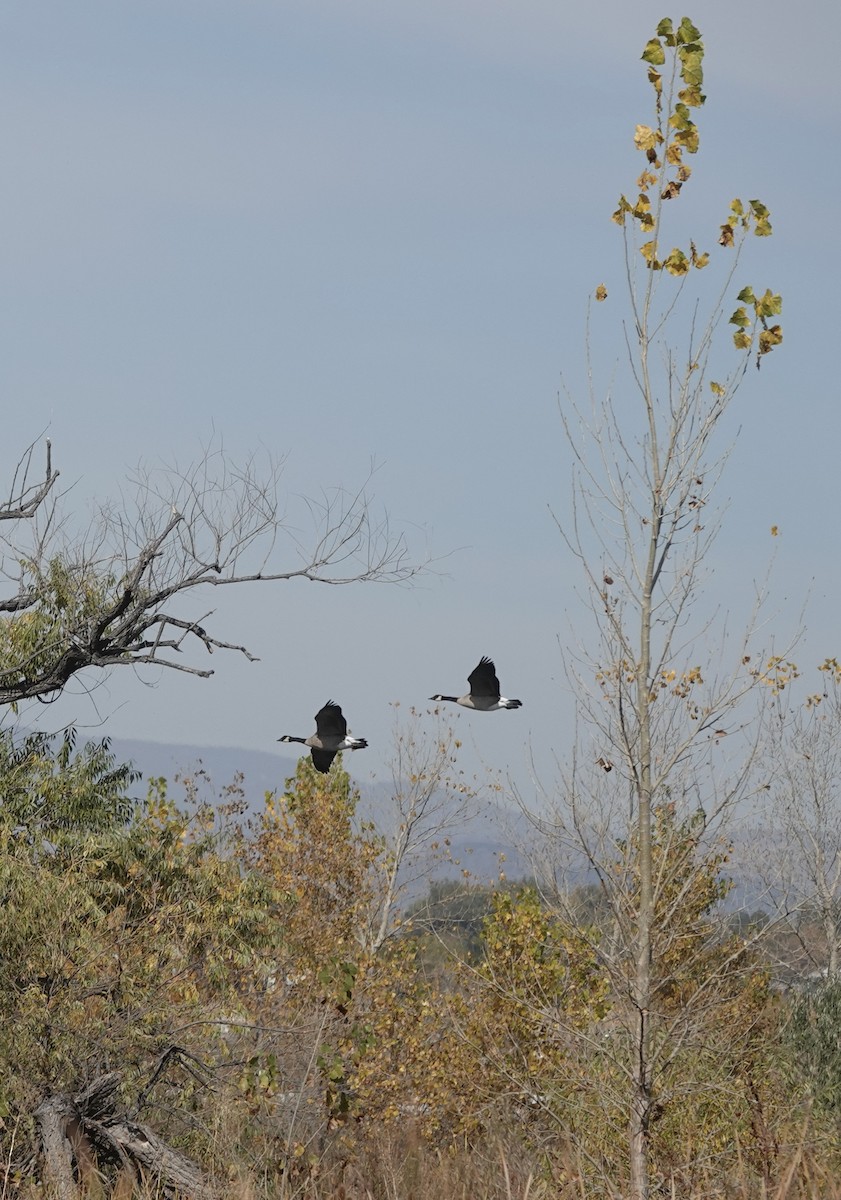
x: 352, y: 233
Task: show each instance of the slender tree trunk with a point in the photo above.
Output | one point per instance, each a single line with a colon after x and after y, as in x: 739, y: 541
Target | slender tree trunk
x: 641, y: 1099
x: 831, y: 929
x: 638, y: 1130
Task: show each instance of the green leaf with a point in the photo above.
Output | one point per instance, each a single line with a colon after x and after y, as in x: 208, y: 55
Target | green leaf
x: 746, y: 295
x: 769, y: 305
x: 762, y: 227
x: 692, y: 71
x: 654, y: 53
x: 687, y: 32
x: 680, y: 118
x: 740, y: 318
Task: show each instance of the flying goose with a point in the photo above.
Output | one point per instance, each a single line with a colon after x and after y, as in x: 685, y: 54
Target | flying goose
x: 484, y: 690
x: 330, y: 737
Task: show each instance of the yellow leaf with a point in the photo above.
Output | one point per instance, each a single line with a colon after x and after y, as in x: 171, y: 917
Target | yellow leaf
x: 769, y: 338
x: 601, y: 292
x: 646, y: 138
x: 676, y: 263
x: 619, y: 215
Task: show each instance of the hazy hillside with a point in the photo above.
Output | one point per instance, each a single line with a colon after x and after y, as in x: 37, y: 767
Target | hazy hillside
x: 477, y: 838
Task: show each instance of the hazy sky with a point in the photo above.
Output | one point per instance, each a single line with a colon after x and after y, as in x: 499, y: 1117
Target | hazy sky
x: 355, y: 230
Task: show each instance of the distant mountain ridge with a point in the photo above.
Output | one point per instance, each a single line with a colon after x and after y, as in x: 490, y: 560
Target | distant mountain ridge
x: 482, y: 842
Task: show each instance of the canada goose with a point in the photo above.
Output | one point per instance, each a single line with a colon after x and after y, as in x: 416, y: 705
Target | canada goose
x: 330, y: 737
x: 484, y: 690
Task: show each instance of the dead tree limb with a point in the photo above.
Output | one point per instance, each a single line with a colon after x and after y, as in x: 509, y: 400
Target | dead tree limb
x: 116, y: 595
x: 52, y: 1117
x: 81, y: 1134
x: 25, y: 498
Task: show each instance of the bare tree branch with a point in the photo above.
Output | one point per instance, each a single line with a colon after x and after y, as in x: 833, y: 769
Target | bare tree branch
x: 429, y: 798
x: 25, y: 498
x: 116, y: 594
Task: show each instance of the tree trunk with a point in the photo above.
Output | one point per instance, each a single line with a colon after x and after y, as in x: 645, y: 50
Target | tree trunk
x: 641, y: 989
x: 641, y: 1098
x: 638, y: 1125
x: 51, y: 1117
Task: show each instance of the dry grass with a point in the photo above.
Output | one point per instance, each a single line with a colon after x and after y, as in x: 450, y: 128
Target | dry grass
x: 463, y: 1177
x: 398, y: 1164
x: 401, y: 1167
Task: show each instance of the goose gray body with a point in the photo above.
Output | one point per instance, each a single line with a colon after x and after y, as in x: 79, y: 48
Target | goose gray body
x: 330, y: 737
x: 484, y: 694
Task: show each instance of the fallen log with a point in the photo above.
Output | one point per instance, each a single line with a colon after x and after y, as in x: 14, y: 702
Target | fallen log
x: 82, y: 1134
